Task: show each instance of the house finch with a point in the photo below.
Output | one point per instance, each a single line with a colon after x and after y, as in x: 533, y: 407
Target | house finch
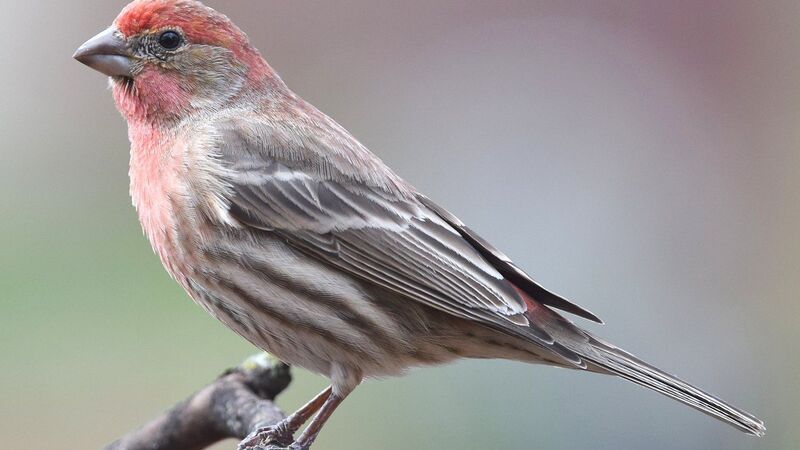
x: 284, y: 227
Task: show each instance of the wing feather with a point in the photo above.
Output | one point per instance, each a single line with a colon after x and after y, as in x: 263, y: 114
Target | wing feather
x: 391, y: 239
x: 509, y: 270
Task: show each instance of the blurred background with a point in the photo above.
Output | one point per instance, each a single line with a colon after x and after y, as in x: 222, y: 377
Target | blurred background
x: 641, y: 158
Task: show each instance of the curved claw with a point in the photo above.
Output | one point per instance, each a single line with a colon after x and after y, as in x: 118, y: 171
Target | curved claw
x: 276, y: 437
x: 281, y: 435
x: 293, y: 446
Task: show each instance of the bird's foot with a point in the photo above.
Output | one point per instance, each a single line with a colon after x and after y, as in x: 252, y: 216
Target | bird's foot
x: 277, y: 437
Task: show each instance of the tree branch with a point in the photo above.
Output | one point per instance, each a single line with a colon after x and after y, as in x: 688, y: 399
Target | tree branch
x: 236, y: 404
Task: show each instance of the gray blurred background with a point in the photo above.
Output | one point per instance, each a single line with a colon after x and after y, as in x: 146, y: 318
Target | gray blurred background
x: 640, y: 158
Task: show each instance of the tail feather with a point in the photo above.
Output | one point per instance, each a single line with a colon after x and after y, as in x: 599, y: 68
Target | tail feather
x: 603, y: 357
x: 627, y: 366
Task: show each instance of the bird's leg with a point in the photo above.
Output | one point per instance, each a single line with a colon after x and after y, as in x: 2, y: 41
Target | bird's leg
x: 283, y: 432
x: 291, y: 424
x: 312, y: 431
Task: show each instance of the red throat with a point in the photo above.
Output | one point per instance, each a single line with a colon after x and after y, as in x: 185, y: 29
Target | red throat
x: 163, y: 100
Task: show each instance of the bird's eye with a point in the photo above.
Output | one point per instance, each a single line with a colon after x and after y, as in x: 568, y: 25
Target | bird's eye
x: 170, y: 40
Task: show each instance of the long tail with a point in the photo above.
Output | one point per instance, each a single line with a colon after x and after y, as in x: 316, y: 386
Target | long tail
x: 603, y: 357
x: 624, y: 365
x: 572, y: 347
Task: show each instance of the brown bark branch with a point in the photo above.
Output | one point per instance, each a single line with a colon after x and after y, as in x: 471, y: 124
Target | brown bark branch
x: 233, y: 406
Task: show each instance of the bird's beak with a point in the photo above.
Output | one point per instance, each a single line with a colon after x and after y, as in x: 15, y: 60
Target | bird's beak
x: 106, y: 53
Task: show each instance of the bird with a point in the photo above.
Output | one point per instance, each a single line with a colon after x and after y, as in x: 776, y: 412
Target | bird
x: 283, y: 226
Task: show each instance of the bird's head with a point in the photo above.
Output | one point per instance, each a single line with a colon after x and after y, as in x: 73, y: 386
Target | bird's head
x: 168, y: 59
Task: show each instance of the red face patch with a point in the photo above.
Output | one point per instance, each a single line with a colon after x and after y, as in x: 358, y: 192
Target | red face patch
x: 164, y: 92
